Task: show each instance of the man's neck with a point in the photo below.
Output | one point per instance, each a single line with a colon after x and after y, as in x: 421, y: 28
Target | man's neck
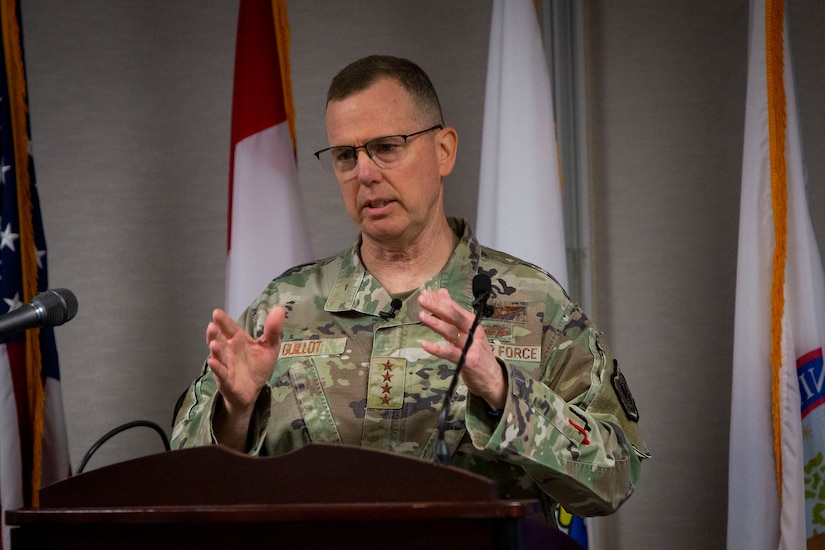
x: 400, y: 269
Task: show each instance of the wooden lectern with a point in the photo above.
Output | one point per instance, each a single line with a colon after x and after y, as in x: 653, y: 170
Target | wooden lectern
x: 320, y: 496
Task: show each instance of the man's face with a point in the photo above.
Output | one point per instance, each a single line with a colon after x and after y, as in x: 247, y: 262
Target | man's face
x: 391, y: 206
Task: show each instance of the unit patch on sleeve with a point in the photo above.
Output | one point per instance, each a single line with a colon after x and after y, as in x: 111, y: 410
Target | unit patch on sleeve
x: 623, y: 393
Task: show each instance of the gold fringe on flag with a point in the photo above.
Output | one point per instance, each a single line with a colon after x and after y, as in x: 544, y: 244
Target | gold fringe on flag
x: 19, y: 110
x: 282, y: 36
x: 774, y: 53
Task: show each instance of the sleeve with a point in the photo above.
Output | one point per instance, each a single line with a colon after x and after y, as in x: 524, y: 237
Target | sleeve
x: 574, y: 428
x: 193, y: 420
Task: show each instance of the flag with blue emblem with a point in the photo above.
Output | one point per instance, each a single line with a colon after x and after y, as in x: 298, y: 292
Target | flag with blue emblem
x: 777, y: 433
x: 33, y: 446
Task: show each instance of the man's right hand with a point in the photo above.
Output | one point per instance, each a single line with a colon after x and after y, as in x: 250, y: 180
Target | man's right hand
x: 242, y: 366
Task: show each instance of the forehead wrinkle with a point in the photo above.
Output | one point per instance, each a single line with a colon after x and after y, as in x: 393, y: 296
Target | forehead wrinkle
x: 383, y: 109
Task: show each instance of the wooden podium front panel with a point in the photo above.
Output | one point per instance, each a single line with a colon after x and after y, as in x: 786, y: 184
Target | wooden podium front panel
x: 354, y: 527
x: 320, y: 496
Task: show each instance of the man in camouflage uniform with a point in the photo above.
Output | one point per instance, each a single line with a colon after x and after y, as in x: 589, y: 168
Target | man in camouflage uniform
x: 360, y: 349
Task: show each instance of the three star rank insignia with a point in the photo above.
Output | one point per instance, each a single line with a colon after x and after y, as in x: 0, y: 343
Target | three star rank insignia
x: 386, y: 387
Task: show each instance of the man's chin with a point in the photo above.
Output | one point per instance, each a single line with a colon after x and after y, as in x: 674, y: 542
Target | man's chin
x: 382, y: 230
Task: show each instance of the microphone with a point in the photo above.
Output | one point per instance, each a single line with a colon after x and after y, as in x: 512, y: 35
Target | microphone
x: 482, y: 289
x: 50, y: 308
x: 395, y: 305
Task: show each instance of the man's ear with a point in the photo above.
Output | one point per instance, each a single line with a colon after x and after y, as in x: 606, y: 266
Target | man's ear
x: 447, y: 144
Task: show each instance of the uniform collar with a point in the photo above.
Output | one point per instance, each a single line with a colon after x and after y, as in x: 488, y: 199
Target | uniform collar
x: 355, y: 289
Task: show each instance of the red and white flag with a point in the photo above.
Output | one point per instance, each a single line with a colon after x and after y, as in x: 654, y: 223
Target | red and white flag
x: 777, y: 432
x: 267, y: 229
x: 519, y: 197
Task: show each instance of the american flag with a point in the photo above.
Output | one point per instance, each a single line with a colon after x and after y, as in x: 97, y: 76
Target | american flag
x: 33, y: 445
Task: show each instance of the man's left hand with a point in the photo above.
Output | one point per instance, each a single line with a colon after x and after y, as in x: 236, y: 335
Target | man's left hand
x: 482, y: 373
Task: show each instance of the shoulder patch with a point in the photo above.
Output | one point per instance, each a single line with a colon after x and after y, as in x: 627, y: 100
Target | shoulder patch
x: 623, y: 393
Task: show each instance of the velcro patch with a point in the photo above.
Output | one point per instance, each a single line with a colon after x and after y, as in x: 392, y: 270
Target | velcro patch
x: 508, y: 352
x: 386, y: 388
x: 623, y: 393
x: 515, y: 312
x: 498, y: 330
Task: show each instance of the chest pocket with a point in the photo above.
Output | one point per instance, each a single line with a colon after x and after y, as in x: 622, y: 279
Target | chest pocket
x: 299, y: 400
x: 312, y: 402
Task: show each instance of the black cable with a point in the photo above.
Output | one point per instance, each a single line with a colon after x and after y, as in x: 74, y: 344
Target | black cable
x: 123, y: 427
x: 481, y: 292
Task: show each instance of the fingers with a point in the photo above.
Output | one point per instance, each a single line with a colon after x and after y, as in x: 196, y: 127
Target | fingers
x: 225, y: 323
x: 218, y: 332
x: 445, y: 316
x: 242, y: 364
x: 273, y: 325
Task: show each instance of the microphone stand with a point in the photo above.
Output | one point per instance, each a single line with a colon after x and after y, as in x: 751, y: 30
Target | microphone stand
x: 442, y: 453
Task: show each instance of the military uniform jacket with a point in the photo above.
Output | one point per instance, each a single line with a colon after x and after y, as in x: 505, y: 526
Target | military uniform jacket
x: 346, y: 375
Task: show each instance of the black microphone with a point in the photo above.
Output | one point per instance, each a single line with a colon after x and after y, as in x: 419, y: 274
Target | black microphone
x: 482, y: 289
x: 395, y: 305
x: 50, y: 308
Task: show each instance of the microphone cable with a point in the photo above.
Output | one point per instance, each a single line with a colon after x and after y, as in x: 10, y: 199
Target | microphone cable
x: 123, y: 427
x: 482, y: 288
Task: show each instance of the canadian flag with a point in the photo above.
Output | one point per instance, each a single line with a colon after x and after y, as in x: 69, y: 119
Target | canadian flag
x: 267, y: 231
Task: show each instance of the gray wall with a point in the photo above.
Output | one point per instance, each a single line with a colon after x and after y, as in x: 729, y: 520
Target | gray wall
x: 130, y: 118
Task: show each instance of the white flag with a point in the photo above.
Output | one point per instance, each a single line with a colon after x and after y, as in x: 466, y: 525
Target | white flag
x: 777, y: 427
x: 519, y: 204
x: 520, y: 196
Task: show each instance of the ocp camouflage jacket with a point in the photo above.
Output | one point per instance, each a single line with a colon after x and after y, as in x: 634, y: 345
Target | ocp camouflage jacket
x: 569, y: 430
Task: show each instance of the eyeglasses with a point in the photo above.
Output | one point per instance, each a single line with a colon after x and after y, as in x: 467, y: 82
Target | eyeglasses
x: 384, y: 151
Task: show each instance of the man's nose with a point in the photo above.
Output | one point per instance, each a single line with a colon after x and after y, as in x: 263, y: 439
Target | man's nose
x: 365, y: 166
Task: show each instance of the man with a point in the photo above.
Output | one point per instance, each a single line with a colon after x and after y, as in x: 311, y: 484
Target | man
x: 360, y: 349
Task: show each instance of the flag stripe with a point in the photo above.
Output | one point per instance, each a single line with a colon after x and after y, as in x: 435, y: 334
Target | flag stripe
x: 17, y: 104
x: 777, y: 473
x: 257, y: 96
x: 774, y: 53
x: 256, y: 103
x: 817, y: 353
x: 282, y: 38
x: 15, y: 355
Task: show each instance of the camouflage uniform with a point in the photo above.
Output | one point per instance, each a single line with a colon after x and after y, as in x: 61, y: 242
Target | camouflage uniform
x: 568, y: 432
